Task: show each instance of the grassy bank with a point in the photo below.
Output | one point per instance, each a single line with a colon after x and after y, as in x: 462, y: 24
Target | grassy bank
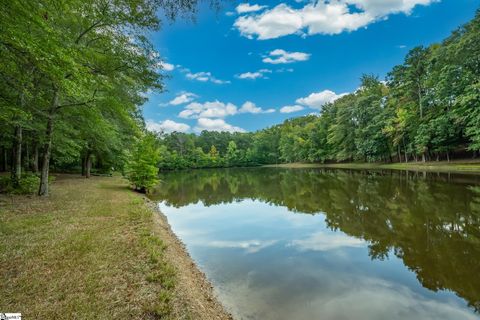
x: 467, y: 166
x: 92, y: 250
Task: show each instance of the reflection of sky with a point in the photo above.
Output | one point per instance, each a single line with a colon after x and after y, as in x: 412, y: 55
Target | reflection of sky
x: 268, y: 263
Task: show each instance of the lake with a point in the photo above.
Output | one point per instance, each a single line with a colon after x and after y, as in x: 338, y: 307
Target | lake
x: 331, y: 244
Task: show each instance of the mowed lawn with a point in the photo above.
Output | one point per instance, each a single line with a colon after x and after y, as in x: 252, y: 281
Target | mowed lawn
x: 88, y: 251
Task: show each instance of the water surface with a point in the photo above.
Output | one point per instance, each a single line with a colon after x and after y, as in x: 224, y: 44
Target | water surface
x: 331, y: 244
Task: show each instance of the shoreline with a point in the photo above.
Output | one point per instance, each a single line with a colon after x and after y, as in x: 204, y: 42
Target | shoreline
x: 117, y: 248
x: 194, y: 290
x: 460, y: 166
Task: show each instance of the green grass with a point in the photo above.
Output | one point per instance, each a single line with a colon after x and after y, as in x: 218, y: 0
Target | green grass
x: 442, y: 166
x: 89, y: 251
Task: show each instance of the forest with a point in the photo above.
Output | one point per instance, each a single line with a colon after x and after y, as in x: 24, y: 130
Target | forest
x: 76, y: 73
x: 427, y: 109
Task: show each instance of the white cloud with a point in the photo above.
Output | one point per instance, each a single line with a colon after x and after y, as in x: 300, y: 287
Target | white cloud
x: 250, y: 107
x: 290, y: 109
x: 215, y: 125
x: 204, y: 77
x: 321, y: 17
x: 247, y: 8
x: 167, y: 126
x: 212, y: 109
x: 182, y: 98
x: 166, y: 66
x: 279, y: 56
x: 317, y: 100
x: 217, y: 109
x: 281, y: 70
x: 260, y: 74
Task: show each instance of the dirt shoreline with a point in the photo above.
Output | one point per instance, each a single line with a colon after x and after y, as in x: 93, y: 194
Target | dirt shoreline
x: 194, y: 292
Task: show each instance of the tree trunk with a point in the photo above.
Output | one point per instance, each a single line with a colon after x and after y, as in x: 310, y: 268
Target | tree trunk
x: 26, y: 165
x: 43, y: 189
x: 84, y: 166
x: 35, y: 159
x: 448, y: 156
x: 423, y: 157
x: 4, y: 159
x: 88, y: 166
x: 17, y: 156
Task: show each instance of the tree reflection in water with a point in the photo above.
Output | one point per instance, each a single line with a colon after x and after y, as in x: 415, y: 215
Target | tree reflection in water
x: 430, y: 221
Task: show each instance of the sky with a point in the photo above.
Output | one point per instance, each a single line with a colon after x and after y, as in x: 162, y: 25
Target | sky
x: 254, y: 64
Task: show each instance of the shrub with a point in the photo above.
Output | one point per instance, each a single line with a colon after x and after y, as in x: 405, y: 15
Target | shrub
x: 28, y: 184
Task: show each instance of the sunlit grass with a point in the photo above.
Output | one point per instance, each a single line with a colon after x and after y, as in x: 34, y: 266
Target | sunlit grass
x: 89, y: 251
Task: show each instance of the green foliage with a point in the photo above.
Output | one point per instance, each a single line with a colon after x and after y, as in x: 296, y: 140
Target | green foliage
x: 74, y: 73
x: 27, y: 184
x: 142, y: 169
x: 73, y: 77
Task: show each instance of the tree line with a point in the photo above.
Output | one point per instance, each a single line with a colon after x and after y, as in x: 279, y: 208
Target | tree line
x: 427, y: 108
x: 73, y: 77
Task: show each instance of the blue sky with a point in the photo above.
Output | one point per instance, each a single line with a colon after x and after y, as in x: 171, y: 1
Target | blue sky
x: 254, y: 64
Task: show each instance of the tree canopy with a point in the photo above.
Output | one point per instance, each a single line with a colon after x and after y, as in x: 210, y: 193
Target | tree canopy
x: 73, y: 78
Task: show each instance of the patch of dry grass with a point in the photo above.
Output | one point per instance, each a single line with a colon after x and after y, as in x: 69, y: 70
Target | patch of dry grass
x: 89, y: 251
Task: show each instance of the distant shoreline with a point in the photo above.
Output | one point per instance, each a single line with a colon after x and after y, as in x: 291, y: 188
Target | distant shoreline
x: 458, y: 166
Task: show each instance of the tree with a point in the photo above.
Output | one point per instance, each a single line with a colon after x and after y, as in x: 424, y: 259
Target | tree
x: 73, y: 74
x: 142, y: 169
x: 232, y: 157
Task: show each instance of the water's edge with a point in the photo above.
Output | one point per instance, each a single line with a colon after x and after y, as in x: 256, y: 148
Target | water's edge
x: 195, y: 290
x: 471, y: 168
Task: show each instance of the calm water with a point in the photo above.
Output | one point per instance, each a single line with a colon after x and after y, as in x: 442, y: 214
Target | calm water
x: 332, y: 244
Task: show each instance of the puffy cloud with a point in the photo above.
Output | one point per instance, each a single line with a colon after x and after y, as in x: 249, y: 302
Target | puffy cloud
x: 250, y: 107
x: 213, y: 109
x: 166, y: 66
x: 246, y: 8
x: 279, y: 56
x: 182, y: 98
x: 317, y: 100
x: 217, y: 109
x: 321, y: 17
x: 215, y: 125
x: 167, y: 126
x: 204, y: 77
x: 290, y: 109
x: 254, y: 75
x: 280, y: 21
x: 383, y: 7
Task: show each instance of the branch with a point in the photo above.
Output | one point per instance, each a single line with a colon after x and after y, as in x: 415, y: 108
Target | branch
x: 96, y: 24
x: 77, y: 104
